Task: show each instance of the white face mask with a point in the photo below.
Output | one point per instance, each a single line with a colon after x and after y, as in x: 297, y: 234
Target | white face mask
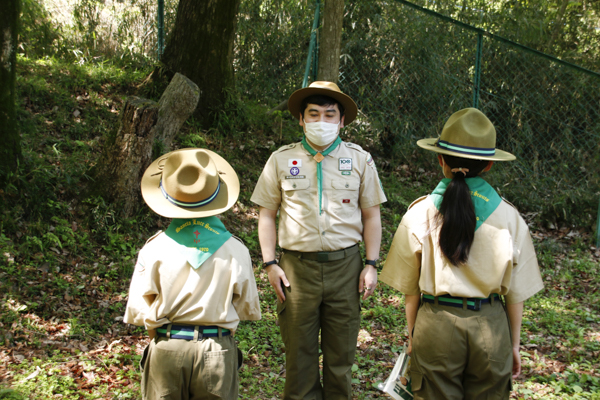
x: 321, y: 133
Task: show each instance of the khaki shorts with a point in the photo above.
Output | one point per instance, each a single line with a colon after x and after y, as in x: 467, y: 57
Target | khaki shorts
x: 461, y: 354
x: 179, y: 369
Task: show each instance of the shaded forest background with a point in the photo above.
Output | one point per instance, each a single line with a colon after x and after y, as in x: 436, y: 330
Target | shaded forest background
x: 66, y: 256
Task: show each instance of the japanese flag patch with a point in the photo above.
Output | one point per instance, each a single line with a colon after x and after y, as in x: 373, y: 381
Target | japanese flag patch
x: 294, y: 162
x: 345, y: 164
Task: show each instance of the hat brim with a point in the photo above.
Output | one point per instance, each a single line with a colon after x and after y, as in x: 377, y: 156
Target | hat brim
x: 430, y: 144
x: 295, y: 101
x: 228, y: 192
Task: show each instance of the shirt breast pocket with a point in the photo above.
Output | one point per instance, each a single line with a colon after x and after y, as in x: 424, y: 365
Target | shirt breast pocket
x: 296, y: 196
x: 345, y: 197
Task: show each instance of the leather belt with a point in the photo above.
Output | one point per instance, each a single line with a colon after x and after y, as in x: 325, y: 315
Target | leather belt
x: 325, y: 256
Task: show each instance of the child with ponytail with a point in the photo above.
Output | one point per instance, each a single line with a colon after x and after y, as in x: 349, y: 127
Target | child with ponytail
x: 465, y: 261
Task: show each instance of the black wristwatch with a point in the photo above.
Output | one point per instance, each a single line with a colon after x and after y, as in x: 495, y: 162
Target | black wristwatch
x: 371, y: 262
x: 272, y: 262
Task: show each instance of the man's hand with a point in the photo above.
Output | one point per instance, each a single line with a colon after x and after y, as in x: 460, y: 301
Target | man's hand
x: 276, y: 277
x: 516, y: 369
x: 367, y: 281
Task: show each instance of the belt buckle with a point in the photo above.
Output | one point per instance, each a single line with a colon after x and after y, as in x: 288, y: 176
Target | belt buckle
x: 322, y: 256
x: 477, y: 304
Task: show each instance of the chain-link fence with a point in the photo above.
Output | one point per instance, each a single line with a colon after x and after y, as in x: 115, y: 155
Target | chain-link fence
x: 410, y: 70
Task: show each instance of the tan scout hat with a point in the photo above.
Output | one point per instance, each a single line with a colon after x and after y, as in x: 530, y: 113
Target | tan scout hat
x: 190, y: 183
x: 324, y: 88
x: 468, y: 133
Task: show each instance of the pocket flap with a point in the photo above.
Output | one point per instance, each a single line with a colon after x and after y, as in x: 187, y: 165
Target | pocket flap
x: 344, y: 185
x: 280, y: 306
x: 416, y: 380
x: 294, y: 184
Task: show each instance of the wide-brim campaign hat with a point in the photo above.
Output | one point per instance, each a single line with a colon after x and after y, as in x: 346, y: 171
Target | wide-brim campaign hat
x: 468, y: 133
x: 190, y: 183
x: 324, y: 88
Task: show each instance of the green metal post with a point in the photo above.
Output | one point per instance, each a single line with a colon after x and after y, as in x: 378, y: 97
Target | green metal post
x: 313, y: 39
x: 598, y: 228
x: 316, y: 55
x: 161, y: 27
x: 477, y: 78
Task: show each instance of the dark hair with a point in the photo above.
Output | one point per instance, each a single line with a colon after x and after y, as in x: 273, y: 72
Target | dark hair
x: 457, y: 213
x: 321, y: 100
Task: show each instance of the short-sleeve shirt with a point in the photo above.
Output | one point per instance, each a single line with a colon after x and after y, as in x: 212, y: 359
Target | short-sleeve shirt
x: 502, y: 259
x: 166, y: 289
x: 289, y: 183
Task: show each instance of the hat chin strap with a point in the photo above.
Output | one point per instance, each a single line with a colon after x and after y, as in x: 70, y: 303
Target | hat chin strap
x: 185, y: 204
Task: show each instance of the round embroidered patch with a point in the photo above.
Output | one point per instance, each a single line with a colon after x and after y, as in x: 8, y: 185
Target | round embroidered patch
x: 295, y: 171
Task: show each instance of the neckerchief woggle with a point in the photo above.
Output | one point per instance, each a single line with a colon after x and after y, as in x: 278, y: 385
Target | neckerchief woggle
x: 484, y: 197
x: 313, y: 153
x: 199, y: 237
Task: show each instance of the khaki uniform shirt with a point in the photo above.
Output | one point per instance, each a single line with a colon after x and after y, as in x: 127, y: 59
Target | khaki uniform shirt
x: 502, y: 258
x: 289, y: 183
x: 166, y: 289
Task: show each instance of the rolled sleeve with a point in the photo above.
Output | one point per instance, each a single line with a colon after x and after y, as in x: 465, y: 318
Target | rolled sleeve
x: 245, y: 294
x: 402, y: 268
x: 141, y: 295
x: 267, y: 192
x: 371, y: 190
x: 526, y: 279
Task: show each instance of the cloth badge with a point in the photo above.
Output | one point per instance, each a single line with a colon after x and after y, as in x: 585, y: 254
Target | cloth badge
x: 345, y: 164
x: 199, y: 237
x: 346, y: 201
x: 485, y: 198
x: 294, y: 171
x: 295, y: 162
x: 370, y: 160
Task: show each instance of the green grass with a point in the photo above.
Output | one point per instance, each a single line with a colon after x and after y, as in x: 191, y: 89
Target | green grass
x: 66, y: 260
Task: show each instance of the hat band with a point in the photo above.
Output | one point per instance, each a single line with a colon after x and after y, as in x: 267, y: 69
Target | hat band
x: 185, y: 204
x: 473, y: 151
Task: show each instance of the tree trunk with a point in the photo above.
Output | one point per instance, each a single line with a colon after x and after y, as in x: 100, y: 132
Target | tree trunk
x: 330, y: 45
x: 10, y: 150
x: 143, y: 123
x: 201, y: 48
x: 558, y: 26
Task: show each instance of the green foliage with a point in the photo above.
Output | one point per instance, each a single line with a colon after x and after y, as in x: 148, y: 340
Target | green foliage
x: 66, y: 260
x: 38, y: 35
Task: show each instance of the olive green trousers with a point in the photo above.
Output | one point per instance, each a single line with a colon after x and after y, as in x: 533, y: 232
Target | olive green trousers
x: 178, y: 369
x: 461, y: 354
x: 322, y: 297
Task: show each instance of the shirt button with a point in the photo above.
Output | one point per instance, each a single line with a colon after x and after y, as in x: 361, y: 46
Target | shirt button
x: 347, y: 186
x: 294, y: 186
x: 323, y: 233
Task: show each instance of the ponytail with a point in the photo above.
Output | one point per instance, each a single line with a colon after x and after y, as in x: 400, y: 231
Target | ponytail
x: 457, y: 213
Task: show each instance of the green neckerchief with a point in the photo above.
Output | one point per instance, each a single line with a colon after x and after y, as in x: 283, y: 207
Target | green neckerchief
x: 199, y: 237
x: 313, y: 153
x: 484, y: 197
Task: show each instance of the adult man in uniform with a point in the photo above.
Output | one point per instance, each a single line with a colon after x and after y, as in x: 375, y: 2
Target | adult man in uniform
x: 328, y: 194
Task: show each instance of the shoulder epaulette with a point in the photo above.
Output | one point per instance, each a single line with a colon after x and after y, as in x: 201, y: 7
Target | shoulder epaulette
x: 509, y: 203
x: 241, y: 241
x: 287, y: 147
x: 154, y: 236
x: 417, y: 201
x: 354, y: 146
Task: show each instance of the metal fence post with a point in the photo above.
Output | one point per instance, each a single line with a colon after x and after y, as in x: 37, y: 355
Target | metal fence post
x: 313, y: 39
x: 598, y: 228
x: 477, y: 77
x: 160, y: 19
